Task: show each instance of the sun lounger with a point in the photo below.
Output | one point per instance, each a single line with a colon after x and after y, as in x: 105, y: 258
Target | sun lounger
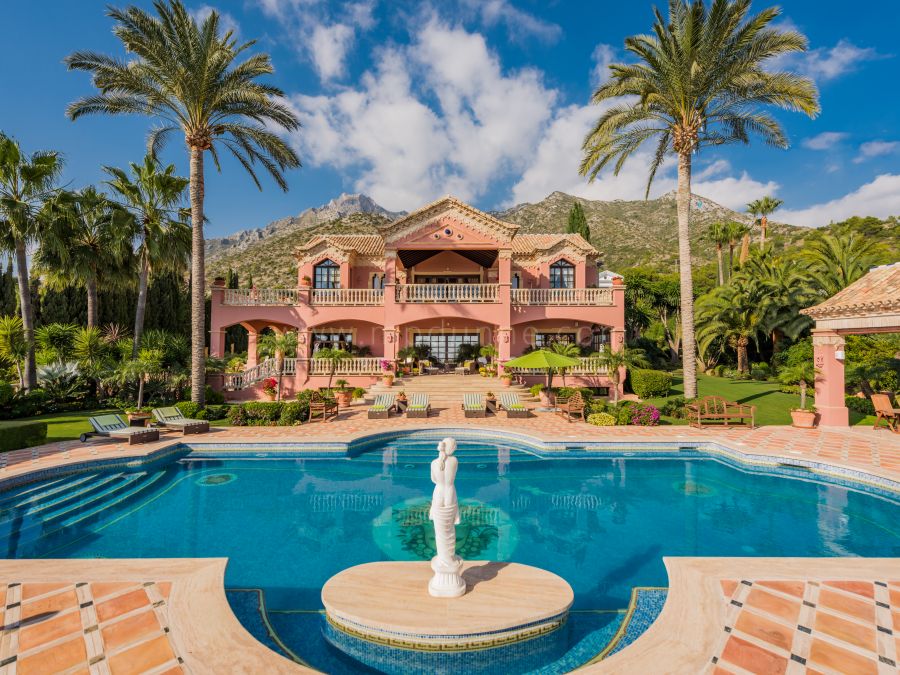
x: 113, y: 426
x: 474, y: 405
x: 418, y: 406
x: 172, y: 418
x: 885, y: 411
x: 381, y: 409
x: 513, y: 406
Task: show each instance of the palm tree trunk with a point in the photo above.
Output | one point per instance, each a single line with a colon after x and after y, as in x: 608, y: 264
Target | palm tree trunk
x: 763, y: 224
x: 688, y: 342
x: 721, y: 264
x: 731, y: 245
x: 198, y: 275
x: 92, y: 303
x: 30, y: 379
x: 140, y: 398
x: 745, y: 249
x: 143, y: 280
x: 742, y: 355
x: 802, y: 394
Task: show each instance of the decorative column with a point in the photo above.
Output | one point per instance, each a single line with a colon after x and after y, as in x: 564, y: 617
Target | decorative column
x: 252, y: 358
x: 391, y: 310
x: 391, y: 344
x: 828, y: 356
x: 504, y: 346
x: 304, y: 344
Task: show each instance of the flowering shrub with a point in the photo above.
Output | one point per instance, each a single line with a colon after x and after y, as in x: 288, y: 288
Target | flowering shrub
x: 645, y: 416
x: 386, y: 365
x: 270, y: 386
x: 601, y: 420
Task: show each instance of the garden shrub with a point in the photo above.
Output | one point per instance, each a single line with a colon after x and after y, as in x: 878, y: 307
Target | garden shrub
x: 17, y: 435
x: 262, y: 413
x: 622, y: 412
x: 189, y: 408
x: 761, y: 371
x: 650, y: 383
x: 359, y: 393
x: 789, y: 389
x: 236, y: 416
x: 566, y: 392
x: 863, y: 406
x: 214, y: 397
x: 674, y: 407
x: 601, y: 419
x: 293, y: 413
x: 644, y: 415
x: 536, y: 389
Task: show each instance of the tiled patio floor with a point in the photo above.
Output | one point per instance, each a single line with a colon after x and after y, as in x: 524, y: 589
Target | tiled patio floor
x: 838, y: 618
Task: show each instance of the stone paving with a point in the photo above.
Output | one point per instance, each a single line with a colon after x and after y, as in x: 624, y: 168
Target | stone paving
x: 805, y: 625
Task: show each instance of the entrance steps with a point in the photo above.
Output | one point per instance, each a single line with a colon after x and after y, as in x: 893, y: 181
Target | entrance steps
x: 446, y: 389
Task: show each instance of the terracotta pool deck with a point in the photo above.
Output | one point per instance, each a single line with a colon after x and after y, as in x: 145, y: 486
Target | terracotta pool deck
x: 723, y: 615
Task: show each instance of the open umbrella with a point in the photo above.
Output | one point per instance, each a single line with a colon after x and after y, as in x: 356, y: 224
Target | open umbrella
x: 544, y: 360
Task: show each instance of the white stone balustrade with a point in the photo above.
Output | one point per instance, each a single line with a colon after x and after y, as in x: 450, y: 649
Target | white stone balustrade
x: 347, y: 296
x: 563, y: 296
x: 448, y: 293
x: 360, y: 366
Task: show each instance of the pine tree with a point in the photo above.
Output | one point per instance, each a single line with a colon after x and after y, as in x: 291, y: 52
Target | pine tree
x: 578, y: 222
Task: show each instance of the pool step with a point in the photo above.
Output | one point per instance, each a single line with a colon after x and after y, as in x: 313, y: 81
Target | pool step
x: 19, y: 498
x: 63, y: 497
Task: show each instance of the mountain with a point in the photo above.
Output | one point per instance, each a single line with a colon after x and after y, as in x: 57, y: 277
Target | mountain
x: 626, y: 232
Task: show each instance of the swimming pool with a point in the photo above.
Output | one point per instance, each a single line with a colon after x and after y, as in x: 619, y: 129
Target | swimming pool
x: 601, y: 521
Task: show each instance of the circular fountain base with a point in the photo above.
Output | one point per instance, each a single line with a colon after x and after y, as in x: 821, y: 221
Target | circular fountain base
x: 389, y: 603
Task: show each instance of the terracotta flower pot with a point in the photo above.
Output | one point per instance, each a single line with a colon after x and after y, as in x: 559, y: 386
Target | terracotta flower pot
x: 388, y: 380
x: 506, y: 380
x: 343, y: 398
x: 804, y: 419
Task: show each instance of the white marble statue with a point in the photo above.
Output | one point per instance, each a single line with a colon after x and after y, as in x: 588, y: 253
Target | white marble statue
x: 446, y: 582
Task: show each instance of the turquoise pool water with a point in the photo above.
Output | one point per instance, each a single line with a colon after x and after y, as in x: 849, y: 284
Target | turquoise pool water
x: 287, y: 525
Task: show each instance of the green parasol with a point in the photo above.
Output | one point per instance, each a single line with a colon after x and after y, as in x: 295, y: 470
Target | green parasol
x: 544, y: 360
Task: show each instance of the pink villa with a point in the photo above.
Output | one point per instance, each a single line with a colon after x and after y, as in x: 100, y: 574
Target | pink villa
x: 442, y: 276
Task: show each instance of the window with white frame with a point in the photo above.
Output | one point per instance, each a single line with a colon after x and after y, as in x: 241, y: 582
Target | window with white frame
x: 562, y: 274
x: 327, y: 274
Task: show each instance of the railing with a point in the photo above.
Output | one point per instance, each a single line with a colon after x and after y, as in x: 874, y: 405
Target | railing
x: 449, y: 293
x: 347, y: 296
x: 262, y: 296
x: 588, y: 366
x: 562, y: 296
x: 361, y: 366
x: 260, y: 371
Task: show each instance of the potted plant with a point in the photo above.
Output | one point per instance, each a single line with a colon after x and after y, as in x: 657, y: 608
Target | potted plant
x: 401, y: 401
x: 387, y: 374
x: 802, y: 374
x: 270, y: 387
x: 506, y: 379
x: 491, y: 402
x: 306, y: 281
x: 137, y: 417
x: 343, y: 395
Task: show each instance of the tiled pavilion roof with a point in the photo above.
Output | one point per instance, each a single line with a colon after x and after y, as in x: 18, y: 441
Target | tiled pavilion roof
x: 877, y: 293
x: 363, y: 244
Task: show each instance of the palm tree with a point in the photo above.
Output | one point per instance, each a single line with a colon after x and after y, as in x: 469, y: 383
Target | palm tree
x: 277, y: 345
x: 333, y: 356
x: 616, y: 361
x: 152, y: 195
x: 85, y: 241
x: 736, y: 232
x: 789, y: 288
x: 13, y: 345
x: 718, y: 234
x: 569, y: 349
x: 733, y: 315
x: 186, y: 75
x: 760, y: 209
x: 835, y: 262
x: 56, y: 341
x: 803, y: 374
x: 700, y: 79
x: 26, y: 185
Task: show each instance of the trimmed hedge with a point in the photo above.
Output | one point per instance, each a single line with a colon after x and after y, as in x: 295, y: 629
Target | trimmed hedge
x: 650, y: 383
x: 22, y: 435
x: 195, y: 412
x: 271, y: 413
x: 601, y: 420
x: 863, y: 406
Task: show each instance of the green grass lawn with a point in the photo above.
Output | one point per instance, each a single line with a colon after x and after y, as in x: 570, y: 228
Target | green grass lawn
x: 64, y: 426
x: 772, y: 406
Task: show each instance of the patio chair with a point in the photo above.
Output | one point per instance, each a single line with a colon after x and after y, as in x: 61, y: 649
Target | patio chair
x: 325, y: 407
x: 113, y: 426
x: 381, y: 409
x: 418, y: 406
x: 885, y: 411
x: 571, y: 406
x: 474, y: 405
x: 513, y: 406
x: 172, y: 418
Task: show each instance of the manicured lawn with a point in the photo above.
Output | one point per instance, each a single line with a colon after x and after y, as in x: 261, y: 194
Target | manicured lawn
x: 772, y: 406
x: 65, y: 426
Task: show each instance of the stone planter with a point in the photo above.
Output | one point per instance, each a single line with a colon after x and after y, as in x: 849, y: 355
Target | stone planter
x: 343, y: 397
x: 138, y: 419
x: 548, y: 398
x: 804, y: 419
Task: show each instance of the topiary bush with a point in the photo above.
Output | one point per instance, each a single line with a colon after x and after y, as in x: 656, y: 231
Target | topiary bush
x: 863, y: 406
x: 601, y: 419
x: 650, y: 383
x: 17, y: 435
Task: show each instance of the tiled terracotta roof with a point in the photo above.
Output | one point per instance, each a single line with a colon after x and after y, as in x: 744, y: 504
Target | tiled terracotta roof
x: 363, y: 244
x: 524, y: 244
x: 877, y: 292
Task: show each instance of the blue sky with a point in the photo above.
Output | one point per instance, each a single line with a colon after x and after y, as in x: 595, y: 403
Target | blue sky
x: 484, y: 99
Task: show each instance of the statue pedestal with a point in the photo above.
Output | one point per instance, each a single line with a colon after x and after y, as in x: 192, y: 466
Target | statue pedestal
x: 447, y: 581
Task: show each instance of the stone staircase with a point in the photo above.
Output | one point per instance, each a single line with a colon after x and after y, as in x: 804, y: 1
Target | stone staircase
x: 448, y: 389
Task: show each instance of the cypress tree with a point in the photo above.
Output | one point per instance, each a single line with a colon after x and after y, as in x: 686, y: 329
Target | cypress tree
x: 578, y: 222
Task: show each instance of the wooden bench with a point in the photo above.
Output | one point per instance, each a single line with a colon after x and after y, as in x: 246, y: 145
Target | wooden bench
x: 716, y: 411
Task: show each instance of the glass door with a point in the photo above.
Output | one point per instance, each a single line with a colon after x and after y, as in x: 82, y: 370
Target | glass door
x: 445, y: 346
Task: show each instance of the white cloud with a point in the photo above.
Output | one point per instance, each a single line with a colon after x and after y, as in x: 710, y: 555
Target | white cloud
x: 880, y: 198
x: 603, y: 56
x: 717, y: 168
x: 519, y: 24
x: 734, y: 192
x: 226, y: 20
x: 824, y: 141
x: 328, y: 47
x: 421, y: 125
x: 826, y: 63
x: 871, y: 149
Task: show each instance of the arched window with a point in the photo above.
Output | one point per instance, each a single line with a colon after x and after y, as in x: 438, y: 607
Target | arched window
x: 327, y: 274
x: 562, y: 274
